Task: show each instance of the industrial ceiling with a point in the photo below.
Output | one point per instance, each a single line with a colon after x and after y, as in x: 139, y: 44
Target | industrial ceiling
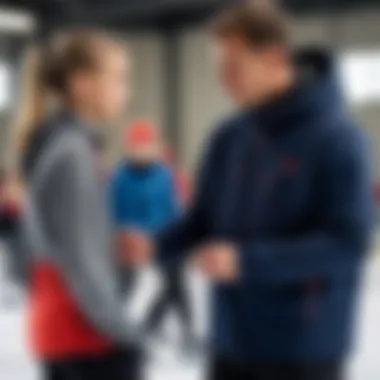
x: 129, y: 14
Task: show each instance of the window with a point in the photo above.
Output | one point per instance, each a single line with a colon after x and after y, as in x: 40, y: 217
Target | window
x: 360, y: 72
x: 5, y: 86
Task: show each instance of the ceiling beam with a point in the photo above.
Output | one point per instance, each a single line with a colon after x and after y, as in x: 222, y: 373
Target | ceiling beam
x: 139, y: 9
x: 142, y: 14
x: 16, y: 22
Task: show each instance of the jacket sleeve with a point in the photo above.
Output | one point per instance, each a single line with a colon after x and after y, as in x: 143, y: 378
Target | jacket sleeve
x: 190, y: 229
x: 80, y: 231
x: 343, y: 203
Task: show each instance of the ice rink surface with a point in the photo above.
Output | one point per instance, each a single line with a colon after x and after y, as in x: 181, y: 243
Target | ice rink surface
x: 165, y: 363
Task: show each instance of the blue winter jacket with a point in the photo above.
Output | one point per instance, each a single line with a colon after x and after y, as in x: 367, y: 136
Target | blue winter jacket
x: 290, y: 185
x: 143, y: 197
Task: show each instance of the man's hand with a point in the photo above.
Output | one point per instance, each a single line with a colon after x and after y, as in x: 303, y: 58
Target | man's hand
x: 135, y: 248
x: 218, y: 261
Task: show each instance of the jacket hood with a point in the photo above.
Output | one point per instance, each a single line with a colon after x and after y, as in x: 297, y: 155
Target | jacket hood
x: 46, y: 131
x: 317, y: 92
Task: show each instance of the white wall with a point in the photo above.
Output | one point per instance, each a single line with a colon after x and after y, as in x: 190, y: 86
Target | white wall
x: 357, y: 32
x: 14, y: 21
x: 148, y: 98
x: 146, y: 51
x: 203, y: 100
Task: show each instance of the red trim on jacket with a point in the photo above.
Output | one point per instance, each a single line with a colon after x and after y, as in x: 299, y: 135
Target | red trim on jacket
x: 57, y: 327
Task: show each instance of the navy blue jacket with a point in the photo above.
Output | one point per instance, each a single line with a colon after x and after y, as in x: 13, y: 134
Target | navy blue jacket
x: 290, y: 185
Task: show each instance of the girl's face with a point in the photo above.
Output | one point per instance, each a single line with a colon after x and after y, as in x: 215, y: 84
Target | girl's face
x: 112, y: 93
x: 106, y: 91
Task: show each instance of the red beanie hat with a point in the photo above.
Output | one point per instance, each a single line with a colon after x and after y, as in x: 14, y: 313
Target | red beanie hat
x: 141, y: 132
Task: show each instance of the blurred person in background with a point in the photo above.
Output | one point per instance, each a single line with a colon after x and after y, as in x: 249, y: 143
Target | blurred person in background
x: 140, y: 191
x: 175, y: 294
x: 145, y: 199
x: 77, y: 327
x: 281, y: 218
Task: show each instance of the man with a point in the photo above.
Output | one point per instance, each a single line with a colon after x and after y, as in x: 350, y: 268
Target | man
x: 281, y: 219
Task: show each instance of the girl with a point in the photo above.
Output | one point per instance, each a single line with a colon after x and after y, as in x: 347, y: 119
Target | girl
x: 76, y: 323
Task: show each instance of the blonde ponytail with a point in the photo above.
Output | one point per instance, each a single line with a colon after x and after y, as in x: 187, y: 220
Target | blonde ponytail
x: 32, y: 108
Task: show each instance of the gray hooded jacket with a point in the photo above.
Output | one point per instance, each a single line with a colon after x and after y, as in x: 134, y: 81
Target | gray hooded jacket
x: 66, y: 223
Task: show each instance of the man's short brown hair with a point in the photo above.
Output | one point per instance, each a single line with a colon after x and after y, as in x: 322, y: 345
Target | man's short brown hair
x: 260, y: 23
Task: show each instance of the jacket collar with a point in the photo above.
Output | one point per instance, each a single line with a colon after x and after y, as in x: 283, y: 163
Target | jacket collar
x: 316, y: 93
x: 53, y: 124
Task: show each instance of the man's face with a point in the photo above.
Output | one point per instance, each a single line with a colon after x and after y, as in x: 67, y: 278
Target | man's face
x: 246, y: 74
x: 107, y: 89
